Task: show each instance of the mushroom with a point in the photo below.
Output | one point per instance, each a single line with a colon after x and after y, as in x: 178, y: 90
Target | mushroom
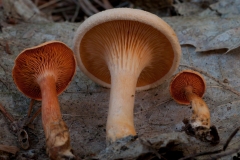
x: 126, y: 50
x: 188, y: 87
x: 42, y: 73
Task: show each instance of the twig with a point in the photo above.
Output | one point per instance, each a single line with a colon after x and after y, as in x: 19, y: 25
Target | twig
x: 218, y: 151
x: 230, y: 138
x: 30, y: 107
x: 3, y: 67
x: 124, y: 4
x: 5, y: 73
x: 201, y: 154
x: 9, y: 149
x: 48, y: 4
x: 90, y: 6
x: 225, y: 153
x: 34, y: 116
x: 75, y: 115
x: 75, y: 13
x: 100, y: 3
x: 215, y: 79
x: 7, y: 48
x: 84, y: 8
x: 63, y: 9
x: 6, y: 114
x: 65, y: 16
x: 4, y: 83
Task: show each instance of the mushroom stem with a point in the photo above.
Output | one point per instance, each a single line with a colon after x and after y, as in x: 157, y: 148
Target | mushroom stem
x: 56, y: 131
x: 201, y: 113
x: 120, y: 116
x: 50, y: 106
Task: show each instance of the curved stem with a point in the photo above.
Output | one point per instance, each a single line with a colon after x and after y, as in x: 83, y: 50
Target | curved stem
x: 56, y: 131
x: 120, y: 116
x: 201, y: 113
x: 50, y: 106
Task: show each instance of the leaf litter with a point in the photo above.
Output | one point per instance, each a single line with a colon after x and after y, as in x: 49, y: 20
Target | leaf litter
x: 84, y: 104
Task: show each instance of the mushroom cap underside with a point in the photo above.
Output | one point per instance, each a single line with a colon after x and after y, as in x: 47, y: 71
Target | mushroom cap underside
x: 51, y: 58
x: 134, y: 37
x: 183, y: 79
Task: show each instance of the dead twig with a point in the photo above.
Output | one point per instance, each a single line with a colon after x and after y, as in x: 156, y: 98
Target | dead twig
x: 100, y: 3
x: 90, y: 6
x: 7, y: 48
x: 4, y: 84
x: 85, y: 9
x: 215, y: 79
x: 215, y: 157
x: 19, y: 126
x: 9, y: 149
x: 201, y: 154
x: 30, y: 107
x: 230, y: 138
x: 63, y: 9
x: 75, y: 13
x: 34, y: 116
x: 48, y: 4
x: 6, y: 114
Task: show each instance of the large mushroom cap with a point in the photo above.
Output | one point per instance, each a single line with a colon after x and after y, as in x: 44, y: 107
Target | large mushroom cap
x: 126, y: 31
x: 184, y: 79
x: 53, y: 58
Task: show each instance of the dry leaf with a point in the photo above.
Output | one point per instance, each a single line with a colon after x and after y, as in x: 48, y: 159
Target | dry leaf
x: 227, y: 8
x: 188, y: 8
x: 207, y: 33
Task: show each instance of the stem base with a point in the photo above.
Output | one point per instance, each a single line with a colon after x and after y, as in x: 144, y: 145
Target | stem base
x: 58, y: 141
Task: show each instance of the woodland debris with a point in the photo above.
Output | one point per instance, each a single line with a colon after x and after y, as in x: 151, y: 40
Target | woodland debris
x: 19, y: 127
x: 9, y: 149
x: 133, y: 147
x: 24, y: 10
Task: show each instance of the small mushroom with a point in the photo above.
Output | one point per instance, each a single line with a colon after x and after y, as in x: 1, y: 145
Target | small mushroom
x: 126, y: 50
x: 188, y: 87
x: 42, y: 73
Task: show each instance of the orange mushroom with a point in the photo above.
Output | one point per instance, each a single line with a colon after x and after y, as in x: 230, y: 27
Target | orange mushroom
x: 42, y: 73
x: 188, y: 87
x: 127, y: 50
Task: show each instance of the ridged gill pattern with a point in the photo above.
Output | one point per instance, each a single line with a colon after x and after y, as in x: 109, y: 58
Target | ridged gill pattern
x: 183, y: 80
x: 54, y: 59
x: 128, y: 46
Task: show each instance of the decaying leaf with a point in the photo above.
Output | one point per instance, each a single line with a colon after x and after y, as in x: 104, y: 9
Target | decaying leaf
x: 227, y: 8
x: 207, y: 33
x: 188, y: 8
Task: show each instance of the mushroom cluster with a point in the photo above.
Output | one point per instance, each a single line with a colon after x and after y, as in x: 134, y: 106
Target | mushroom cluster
x: 126, y: 50
x: 123, y: 49
x: 188, y: 87
x: 42, y: 73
